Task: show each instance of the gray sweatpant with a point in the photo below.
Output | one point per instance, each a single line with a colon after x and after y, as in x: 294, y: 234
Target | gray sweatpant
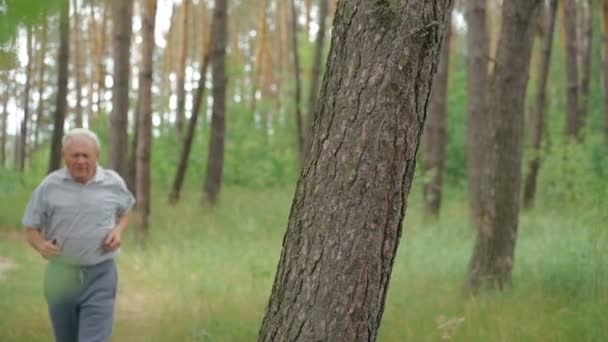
x: 81, y: 301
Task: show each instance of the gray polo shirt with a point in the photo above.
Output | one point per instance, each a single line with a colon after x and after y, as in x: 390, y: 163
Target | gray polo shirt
x: 78, y: 216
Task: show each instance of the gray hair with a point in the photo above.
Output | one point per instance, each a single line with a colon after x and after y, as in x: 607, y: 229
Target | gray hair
x: 80, y: 132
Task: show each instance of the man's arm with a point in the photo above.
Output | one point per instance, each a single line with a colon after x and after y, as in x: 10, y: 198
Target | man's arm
x: 112, y: 241
x: 45, y: 247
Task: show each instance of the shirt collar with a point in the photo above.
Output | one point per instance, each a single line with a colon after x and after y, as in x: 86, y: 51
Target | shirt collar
x: 98, y: 177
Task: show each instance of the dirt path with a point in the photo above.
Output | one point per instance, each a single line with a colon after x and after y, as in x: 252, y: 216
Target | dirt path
x: 6, y: 265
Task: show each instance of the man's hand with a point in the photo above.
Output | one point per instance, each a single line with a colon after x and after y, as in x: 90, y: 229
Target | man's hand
x: 112, y: 241
x: 47, y: 248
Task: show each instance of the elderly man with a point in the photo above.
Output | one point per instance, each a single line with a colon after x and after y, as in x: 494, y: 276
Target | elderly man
x: 75, y: 219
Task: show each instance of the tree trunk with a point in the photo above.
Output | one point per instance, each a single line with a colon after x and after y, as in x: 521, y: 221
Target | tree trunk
x: 181, y: 69
x: 144, y: 140
x: 63, y: 57
x: 569, y: 31
x: 3, y: 134
x: 537, y: 125
x: 215, y: 162
x: 316, y: 71
x: 118, y: 154
x: 435, y: 133
x: 586, y: 47
x: 187, y: 145
x: 26, y: 100
x: 100, y: 71
x: 41, y: 84
x: 477, y: 88
x: 296, y: 72
x: 76, y: 41
x: 347, y: 213
x: 604, y: 16
x: 493, y: 256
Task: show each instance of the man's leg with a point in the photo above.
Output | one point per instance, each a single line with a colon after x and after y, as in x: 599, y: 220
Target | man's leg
x: 97, y: 303
x: 61, y: 286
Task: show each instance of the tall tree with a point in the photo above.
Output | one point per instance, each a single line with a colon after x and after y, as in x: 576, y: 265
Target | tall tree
x: 63, y: 57
x: 435, y: 132
x: 41, y: 82
x: 100, y: 71
x: 77, y: 63
x: 215, y: 162
x: 187, y: 144
x: 493, y: 256
x: 568, y: 20
x: 604, y: 17
x: 537, y: 119
x: 4, y: 133
x: 296, y: 73
x: 144, y: 140
x: 347, y: 214
x: 181, y: 69
x: 316, y: 69
x: 586, y: 47
x: 477, y: 85
x: 123, y: 10
x: 26, y: 99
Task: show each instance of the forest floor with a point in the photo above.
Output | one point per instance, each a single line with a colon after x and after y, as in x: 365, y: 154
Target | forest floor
x: 206, y: 276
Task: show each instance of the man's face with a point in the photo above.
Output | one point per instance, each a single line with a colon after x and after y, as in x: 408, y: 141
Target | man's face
x: 80, y: 157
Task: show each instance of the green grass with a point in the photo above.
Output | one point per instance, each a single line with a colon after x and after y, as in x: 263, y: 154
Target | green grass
x: 206, y: 276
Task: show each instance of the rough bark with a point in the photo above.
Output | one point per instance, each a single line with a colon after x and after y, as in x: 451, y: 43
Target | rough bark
x: 118, y: 151
x: 144, y: 140
x: 181, y: 70
x: 435, y: 139
x: 493, y: 256
x: 63, y: 57
x: 537, y: 119
x: 215, y: 162
x: 316, y: 71
x: 572, y: 99
x: 347, y: 213
x: 296, y: 73
x: 187, y: 145
x: 477, y: 88
x: 26, y: 100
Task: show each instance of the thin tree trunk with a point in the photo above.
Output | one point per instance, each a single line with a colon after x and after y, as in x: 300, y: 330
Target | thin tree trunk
x: 572, y: 102
x: 41, y: 84
x: 586, y: 61
x: 477, y: 87
x: 63, y: 57
x: 187, y: 146
x: 435, y: 132
x: 117, y: 154
x: 144, y: 140
x: 604, y: 17
x: 26, y: 100
x: 493, y: 255
x: 316, y: 71
x: 215, y: 162
x: 296, y: 72
x: 100, y: 71
x: 181, y: 69
x: 76, y: 40
x: 5, y: 98
x: 347, y: 214
x: 537, y: 125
